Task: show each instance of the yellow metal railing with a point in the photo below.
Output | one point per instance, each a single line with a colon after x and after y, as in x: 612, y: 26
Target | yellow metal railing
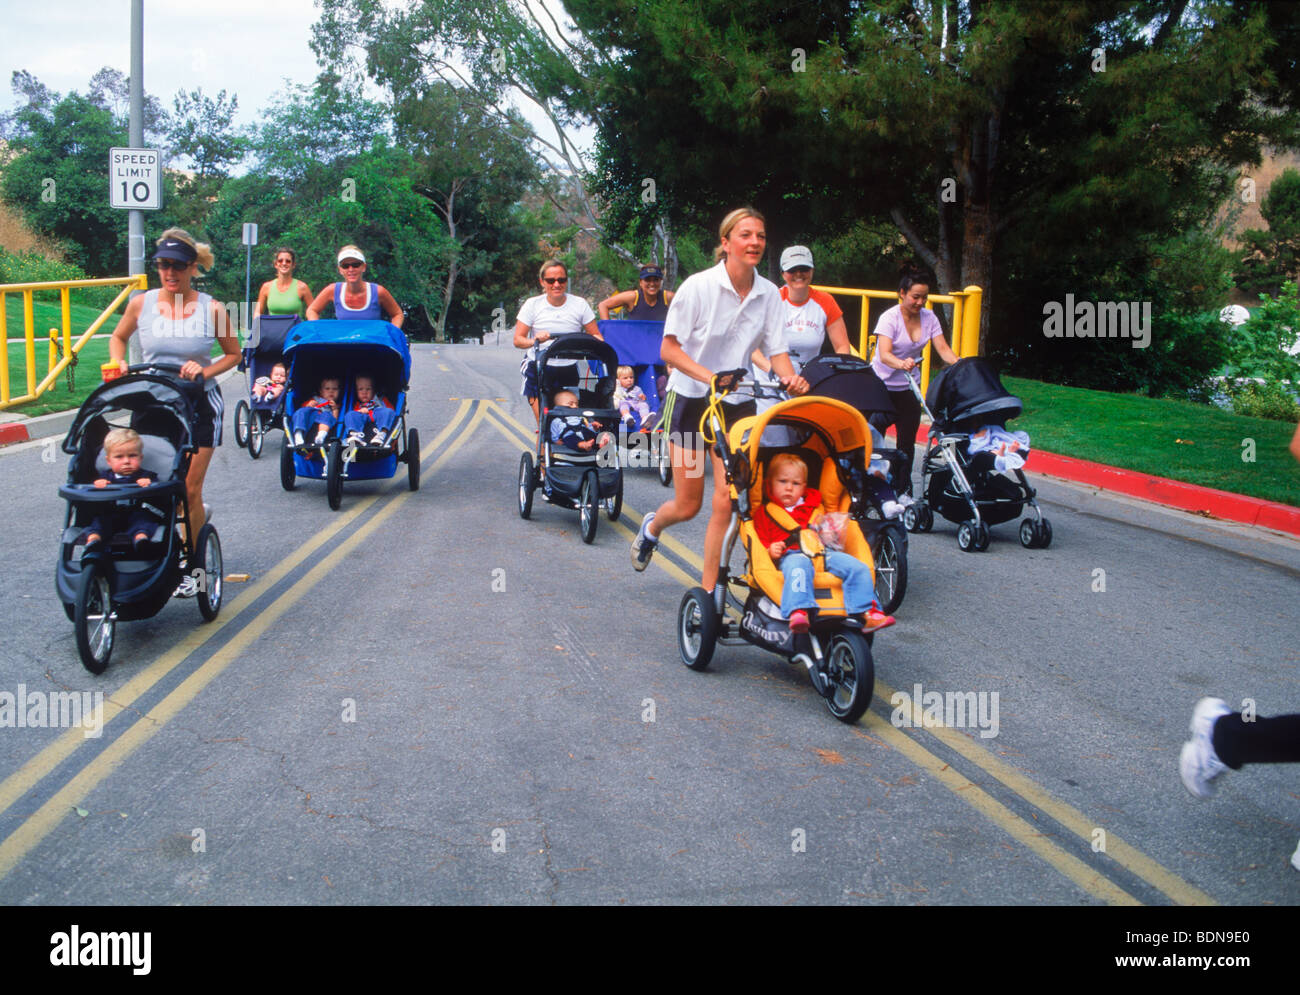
x: 69, y: 349
x: 965, y: 321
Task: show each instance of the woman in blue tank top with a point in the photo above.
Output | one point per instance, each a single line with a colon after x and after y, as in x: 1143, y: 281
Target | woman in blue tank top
x: 355, y: 299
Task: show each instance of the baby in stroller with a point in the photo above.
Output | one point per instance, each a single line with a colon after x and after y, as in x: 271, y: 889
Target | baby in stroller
x: 783, y: 526
x: 633, y: 407
x: 574, y: 431
x: 322, y: 411
x: 122, y: 453
x: 368, y: 411
x: 269, y: 387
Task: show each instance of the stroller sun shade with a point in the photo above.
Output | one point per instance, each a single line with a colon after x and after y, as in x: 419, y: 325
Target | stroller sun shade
x: 970, y: 391
x: 848, y: 379
x: 144, y: 395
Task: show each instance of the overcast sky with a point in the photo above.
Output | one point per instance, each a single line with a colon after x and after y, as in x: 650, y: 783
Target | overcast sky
x: 245, y: 47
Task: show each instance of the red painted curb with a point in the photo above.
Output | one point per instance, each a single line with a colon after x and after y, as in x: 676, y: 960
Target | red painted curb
x: 1161, y: 490
x: 11, y: 432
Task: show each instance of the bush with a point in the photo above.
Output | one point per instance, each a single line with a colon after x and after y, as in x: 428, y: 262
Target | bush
x: 1267, y: 400
x: 1258, y: 347
x: 32, y: 267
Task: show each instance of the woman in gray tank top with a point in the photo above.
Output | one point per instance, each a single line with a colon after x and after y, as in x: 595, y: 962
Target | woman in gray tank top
x: 176, y: 326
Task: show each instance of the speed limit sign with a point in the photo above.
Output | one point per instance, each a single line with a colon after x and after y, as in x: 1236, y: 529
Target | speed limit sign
x: 135, y: 179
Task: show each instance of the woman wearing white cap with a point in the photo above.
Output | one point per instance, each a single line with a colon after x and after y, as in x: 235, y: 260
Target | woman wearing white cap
x: 354, y: 298
x: 811, y: 316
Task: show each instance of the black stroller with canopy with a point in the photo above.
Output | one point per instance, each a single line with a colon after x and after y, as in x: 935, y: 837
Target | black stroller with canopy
x: 853, y: 381
x: 114, y: 581
x: 964, y: 480
x: 259, y: 413
x: 570, y: 476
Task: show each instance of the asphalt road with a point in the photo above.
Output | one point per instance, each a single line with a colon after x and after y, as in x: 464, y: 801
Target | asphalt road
x: 423, y: 698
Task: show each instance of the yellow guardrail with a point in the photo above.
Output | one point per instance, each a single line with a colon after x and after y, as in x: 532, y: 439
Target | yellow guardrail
x: 965, y: 321
x: 68, y: 349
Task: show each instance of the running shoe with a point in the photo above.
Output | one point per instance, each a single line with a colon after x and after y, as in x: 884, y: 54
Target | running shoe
x: 643, y: 546
x: 1199, y: 764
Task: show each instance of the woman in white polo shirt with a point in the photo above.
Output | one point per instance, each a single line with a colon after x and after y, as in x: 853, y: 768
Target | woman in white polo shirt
x: 555, y: 312
x: 715, y: 322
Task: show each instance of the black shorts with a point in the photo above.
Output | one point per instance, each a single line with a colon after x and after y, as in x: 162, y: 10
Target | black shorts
x: 208, y: 413
x: 684, y: 429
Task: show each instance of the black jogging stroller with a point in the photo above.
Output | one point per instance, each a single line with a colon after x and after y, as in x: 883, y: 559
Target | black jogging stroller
x: 257, y: 414
x: 115, y: 582
x: 966, y: 486
x: 853, y: 381
x: 587, y: 479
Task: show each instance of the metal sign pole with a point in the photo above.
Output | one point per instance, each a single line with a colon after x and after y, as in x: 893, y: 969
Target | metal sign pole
x: 135, y: 219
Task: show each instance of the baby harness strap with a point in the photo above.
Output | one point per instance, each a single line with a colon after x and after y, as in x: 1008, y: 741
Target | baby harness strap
x: 804, y: 539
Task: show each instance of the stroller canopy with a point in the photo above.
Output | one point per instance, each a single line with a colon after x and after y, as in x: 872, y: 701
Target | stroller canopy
x: 368, y: 339
x: 970, y: 390
x: 579, y: 345
x: 848, y: 379
x: 842, y: 425
x: 270, y: 332
x: 169, y: 402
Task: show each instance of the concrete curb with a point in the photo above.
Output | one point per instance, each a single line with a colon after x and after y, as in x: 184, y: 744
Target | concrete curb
x: 1205, y: 501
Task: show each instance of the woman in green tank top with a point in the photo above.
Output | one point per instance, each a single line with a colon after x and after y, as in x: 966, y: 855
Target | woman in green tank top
x: 284, y: 294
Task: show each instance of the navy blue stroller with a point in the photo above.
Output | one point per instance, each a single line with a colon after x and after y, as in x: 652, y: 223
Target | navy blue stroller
x: 317, y: 350
x: 115, y: 580
x: 637, y: 344
x: 262, y: 410
x: 569, y: 476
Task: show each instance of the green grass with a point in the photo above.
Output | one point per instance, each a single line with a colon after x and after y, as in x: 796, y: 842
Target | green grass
x: 47, y: 315
x: 1195, y: 443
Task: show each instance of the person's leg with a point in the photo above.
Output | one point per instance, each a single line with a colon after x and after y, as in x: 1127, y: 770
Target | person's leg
x: 1263, y: 741
x: 859, y: 585
x: 719, y: 518
x: 797, y: 592
x: 194, y: 487
x: 688, y: 489
x: 906, y: 424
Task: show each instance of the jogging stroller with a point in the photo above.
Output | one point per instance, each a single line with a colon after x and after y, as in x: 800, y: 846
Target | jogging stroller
x: 114, y: 581
x: 853, y: 381
x: 637, y: 344
x: 343, y: 350
x: 833, y: 440
x: 961, y: 476
x: 570, y: 474
x: 261, y: 411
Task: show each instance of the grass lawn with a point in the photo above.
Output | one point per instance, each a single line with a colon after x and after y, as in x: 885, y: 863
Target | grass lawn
x: 47, y: 315
x: 1195, y: 443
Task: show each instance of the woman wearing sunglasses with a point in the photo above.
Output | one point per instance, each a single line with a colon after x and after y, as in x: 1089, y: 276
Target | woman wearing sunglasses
x: 354, y: 298
x: 284, y: 294
x: 176, y: 326
x: 555, y: 312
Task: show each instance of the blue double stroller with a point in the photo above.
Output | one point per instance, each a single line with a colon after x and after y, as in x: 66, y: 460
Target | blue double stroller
x: 118, y: 580
x: 262, y: 411
x: 343, y: 350
x: 637, y: 344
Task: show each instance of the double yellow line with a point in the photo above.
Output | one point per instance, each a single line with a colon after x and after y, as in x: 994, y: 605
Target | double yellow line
x: 39, y: 825
x: 1090, y: 879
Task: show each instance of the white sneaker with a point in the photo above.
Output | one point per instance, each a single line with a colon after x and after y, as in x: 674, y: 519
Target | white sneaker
x: 643, y: 546
x: 1199, y: 764
x: 1295, y: 857
x: 207, y: 512
x: 187, y: 588
x: 355, y: 438
x: 320, y: 436
x: 906, y: 500
x: 891, y: 509
x: 298, y: 440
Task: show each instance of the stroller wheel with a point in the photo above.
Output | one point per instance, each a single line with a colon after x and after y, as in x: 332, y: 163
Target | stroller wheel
x: 526, y: 485
x: 334, y: 474
x: 287, y: 475
x: 93, y: 618
x: 243, y: 415
x: 966, y: 537
x: 982, y: 537
x: 891, y: 567
x: 614, y: 503
x: 208, y: 567
x: 256, y: 435
x: 1045, y: 534
x: 1028, y: 534
x: 850, y: 674
x: 918, y: 517
x: 413, y: 459
x: 589, y: 506
x: 697, y: 628
x: 665, y: 460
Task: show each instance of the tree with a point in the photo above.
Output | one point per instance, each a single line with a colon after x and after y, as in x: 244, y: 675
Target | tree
x: 1272, y: 256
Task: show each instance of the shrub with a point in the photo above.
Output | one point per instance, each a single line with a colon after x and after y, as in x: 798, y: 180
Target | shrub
x: 1267, y: 400
x: 32, y: 267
